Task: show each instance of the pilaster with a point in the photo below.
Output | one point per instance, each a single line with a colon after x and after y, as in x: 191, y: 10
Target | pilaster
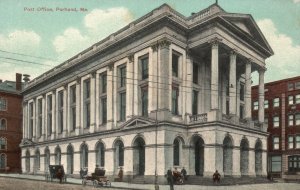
x: 214, y: 85
x: 110, y: 97
x: 54, y: 111
x: 232, y: 84
x: 236, y: 160
x: 78, y: 129
x: 93, y: 103
x: 129, y: 86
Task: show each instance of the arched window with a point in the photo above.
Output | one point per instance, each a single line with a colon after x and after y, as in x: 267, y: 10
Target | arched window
x: 244, y: 157
x: 176, y: 152
x: 119, y: 153
x: 84, y: 156
x: 227, y: 156
x: 2, y: 161
x: 100, y: 154
x: 47, y: 159
x: 57, y: 156
x: 2, y: 143
x: 2, y: 124
x: 37, y: 160
x: 70, y: 159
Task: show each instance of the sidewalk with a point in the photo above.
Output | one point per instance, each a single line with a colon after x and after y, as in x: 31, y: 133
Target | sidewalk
x: 122, y: 185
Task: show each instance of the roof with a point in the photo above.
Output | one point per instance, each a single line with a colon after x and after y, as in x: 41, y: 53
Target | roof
x: 9, y: 87
x: 164, y: 11
x: 286, y: 80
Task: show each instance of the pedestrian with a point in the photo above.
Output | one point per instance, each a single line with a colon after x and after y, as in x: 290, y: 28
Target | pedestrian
x: 59, y: 174
x: 183, y: 173
x: 216, y: 177
x: 120, y: 174
x: 170, y: 179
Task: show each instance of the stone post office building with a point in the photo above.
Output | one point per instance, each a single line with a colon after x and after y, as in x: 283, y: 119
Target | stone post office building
x: 165, y: 91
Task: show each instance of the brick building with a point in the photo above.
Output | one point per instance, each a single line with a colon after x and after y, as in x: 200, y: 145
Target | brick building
x: 282, y: 115
x: 10, y: 125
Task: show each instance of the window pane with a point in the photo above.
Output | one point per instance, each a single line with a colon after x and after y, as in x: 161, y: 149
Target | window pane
x: 297, y: 97
x: 145, y: 69
x: 175, y: 60
x: 195, y: 73
x: 266, y: 104
x: 291, y: 100
x: 3, y: 104
x: 297, y: 119
x: 175, y: 101
x: 276, y: 164
x: 122, y: 76
x: 276, y: 102
x: 291, y: 142
x: 255, y: 105
x: 195, y: 102
x: 276, y: 121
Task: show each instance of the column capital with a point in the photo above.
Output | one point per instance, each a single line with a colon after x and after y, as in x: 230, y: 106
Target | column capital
x: 233, y: 52
x: 215, y: 42
x: 188, y: 53
x: 54, y: 91
x: 155, y: 47
x: 93, y: 74
x: 262, y: 70
x: 131, y: 58
x: 164, y: 43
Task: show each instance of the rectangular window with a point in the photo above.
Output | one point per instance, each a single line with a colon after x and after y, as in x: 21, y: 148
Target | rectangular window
x: 297, y: 97
x: 297, y: 141
x: 3, y: 104
x: 175, y: 100
x: 122, y: 76
x: 195, y: 73
x: 73, y: 107
x: 297, y: 85
x: 276, y: 102
x: 104, y: 109
x: 175, y: 61
x: 297, y: 118
x: 266, y: 121
x: 122, y: 106
x: 242, y: 111
x: 103, y: 83
x: 144, y: 101
x: 255, y: 105
x: 195, y: 102
x: 49, y: 115
x: 40, y: 119
x: 290, y: 142
x: 266, y: 104
x: 86, y: 95
x: 145, y: 68
x: 294, y: 163
x: 290, y: 86
x: 275, y: 121
x: 242, y: 92
x: 60, y: 111
x: 276, y: 164
x: 290, y: 120
x: 275, y: 143
x: 291, y: 100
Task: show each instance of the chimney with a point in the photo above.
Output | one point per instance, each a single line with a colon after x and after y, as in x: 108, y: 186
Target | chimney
x: 18, y: 81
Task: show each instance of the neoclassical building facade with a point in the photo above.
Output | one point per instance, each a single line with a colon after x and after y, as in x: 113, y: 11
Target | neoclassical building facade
x: 165, y: 91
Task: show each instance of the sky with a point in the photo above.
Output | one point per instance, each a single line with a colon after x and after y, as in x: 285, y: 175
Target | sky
x: 34, y: 39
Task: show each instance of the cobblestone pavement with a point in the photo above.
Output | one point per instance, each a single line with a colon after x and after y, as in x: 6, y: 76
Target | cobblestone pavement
x: 31, y: 182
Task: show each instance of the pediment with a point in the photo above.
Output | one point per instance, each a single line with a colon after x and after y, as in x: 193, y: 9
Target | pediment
x: 246, y: 24
x: 137, y: 122
x: 26, y: 142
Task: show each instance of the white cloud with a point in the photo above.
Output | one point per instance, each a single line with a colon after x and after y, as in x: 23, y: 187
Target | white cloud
x: 70, y: 42
x: 286, y: 59
x: 21, y: 41
x: 296, y: 1
x: 97, y: 25
x: 104, y: 22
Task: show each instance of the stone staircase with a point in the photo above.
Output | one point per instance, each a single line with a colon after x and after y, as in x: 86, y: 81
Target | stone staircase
x: 138, y: 179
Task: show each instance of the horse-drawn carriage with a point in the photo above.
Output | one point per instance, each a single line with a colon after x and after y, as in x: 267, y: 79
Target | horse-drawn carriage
x: 56, y: 172
x: 98, y: 178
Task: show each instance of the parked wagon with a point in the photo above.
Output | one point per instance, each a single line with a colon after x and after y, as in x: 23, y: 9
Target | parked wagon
x: 56, y: 172
x: 98, y: 179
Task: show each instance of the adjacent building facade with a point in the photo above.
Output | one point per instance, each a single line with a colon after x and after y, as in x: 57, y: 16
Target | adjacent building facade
x: 10, y: 125
x: 165, y: 91
x: 282, y: 115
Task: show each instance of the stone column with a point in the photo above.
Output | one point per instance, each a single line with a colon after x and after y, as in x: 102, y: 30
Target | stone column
x: 76, y: 162
x: 189, y: 83
x: 34, y: 120
x: 214, y: 85
x: 129, y: 87
x: 44, y: 128
x: 232, y: 83
x: 261, y: 96
x: 209, y: 161
x: 164, y: 93
x: 248, y: 90
x: 78, y: 129
x: 236, y: 160
x: 110, y: 98
x: 128, y: 165
x: 93, y: 103
x: 92, y: 160
x: 65, y: 113
x: 54, y: 111
x: 153, y: 78
x: 25, y: 119
x: 264, y: 163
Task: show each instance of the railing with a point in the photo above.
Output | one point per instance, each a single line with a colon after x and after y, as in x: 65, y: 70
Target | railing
x: 200, y: 118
